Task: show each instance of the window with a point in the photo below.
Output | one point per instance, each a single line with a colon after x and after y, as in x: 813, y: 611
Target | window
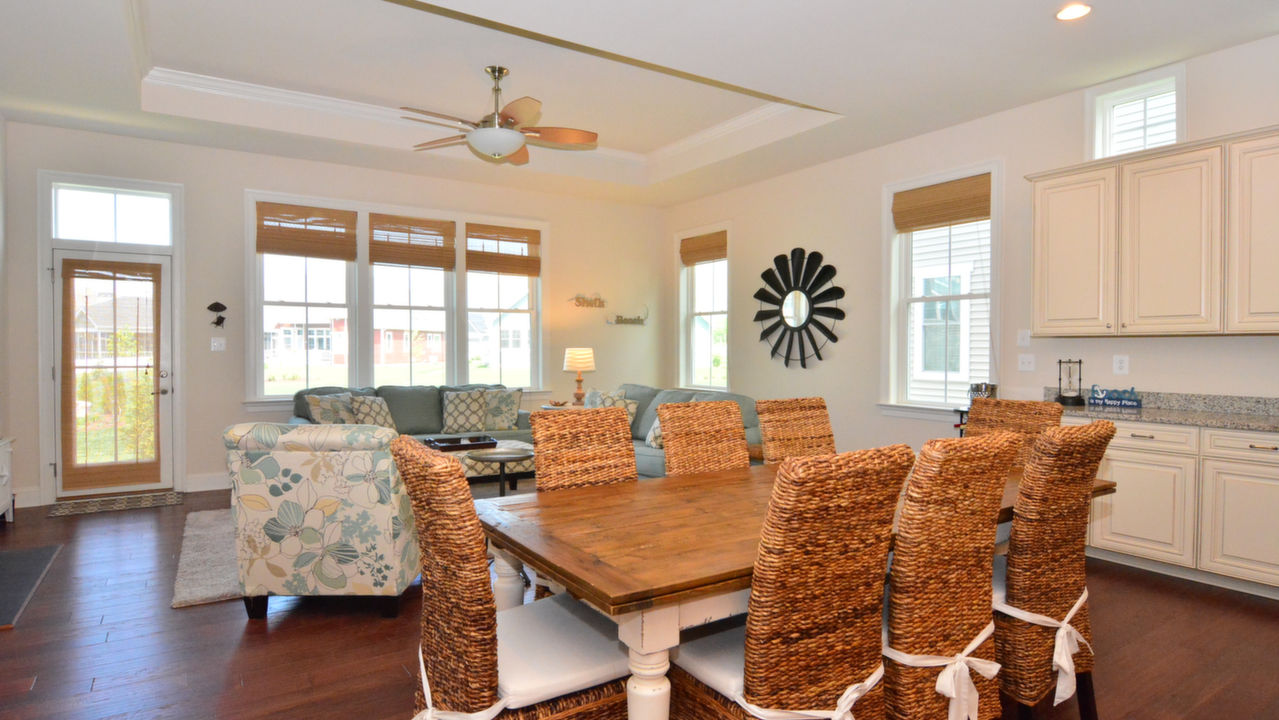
x: 501, y: 284
x: 1144, y: 112
x: 706, y: 301
x: 943, y: 310
x: 112, y: 215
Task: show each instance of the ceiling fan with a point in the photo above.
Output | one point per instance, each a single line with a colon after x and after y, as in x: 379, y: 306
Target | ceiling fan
x: 502, y: 133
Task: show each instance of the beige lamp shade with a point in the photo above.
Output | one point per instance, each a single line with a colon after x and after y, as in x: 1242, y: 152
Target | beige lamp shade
x: 579, y: 359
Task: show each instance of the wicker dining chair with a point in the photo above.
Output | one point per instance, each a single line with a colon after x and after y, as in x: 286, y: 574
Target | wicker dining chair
x: 580, y: 447
x: 703, y: 437
x: 1043, y: 572
x: 1027, y: 417
x: 813, y: 627
x: 478, y: 659
x: 941, y: 576
x: 794, y: 427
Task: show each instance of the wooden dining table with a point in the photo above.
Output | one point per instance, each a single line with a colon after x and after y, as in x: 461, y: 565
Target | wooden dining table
x: 657, y: 556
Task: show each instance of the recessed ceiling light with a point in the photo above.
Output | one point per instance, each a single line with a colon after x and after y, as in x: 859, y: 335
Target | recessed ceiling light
x: 1073, y: 11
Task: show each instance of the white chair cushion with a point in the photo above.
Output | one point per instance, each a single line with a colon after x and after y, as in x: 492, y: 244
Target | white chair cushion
x: 717, y: 659
x: 555, y: 647
x: 999, y: 581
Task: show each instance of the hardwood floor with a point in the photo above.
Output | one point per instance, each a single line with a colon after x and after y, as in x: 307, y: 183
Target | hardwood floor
x: 99, y: 640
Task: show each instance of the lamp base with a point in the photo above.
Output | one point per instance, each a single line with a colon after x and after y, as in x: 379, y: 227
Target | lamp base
x: 1070, y: 400
x: 579, y: 395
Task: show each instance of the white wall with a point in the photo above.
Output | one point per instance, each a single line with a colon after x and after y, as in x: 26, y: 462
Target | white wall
x: 838, y: 208
x: 602, y: 247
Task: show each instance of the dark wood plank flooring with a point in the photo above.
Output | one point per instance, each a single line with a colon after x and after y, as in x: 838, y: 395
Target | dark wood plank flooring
x: 99, y: 640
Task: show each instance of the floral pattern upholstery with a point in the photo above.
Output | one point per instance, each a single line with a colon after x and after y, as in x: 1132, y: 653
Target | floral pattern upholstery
x: 319, y: 510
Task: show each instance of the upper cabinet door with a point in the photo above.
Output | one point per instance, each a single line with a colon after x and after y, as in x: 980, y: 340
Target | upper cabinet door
x: 1170, y: 230
x: 1252, y: 237
x: 1075, y: 254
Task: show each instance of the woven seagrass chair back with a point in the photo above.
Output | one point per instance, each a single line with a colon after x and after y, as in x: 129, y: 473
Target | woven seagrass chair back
x: 703, y: 437
x: 940, y: 581
x: 1046, y: 555
x: 794, y: 428
x: 580, y: 447
x: 1027, y: 417
x: 815, y: 611
x: 459, y: 618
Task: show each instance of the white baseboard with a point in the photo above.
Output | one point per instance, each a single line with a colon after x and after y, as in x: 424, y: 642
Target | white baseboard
x: 200, y: 482
x: 27, y: 497
x: 1185, y: 573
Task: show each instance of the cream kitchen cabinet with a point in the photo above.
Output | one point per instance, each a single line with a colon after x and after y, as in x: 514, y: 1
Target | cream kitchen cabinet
x: 1252, y: 236
x: 1075, y: 254
x: 1170, y: 243
x: 1152, y: 513
x: 1238, y: 532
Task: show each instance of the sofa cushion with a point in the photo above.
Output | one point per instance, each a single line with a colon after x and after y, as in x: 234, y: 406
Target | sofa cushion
x: 372, y: 410
x: 643, y: 395
x: 302, y: 410
x: 649, y: 461
x: 650, y: 413
x: 596, y: 399
x: 332, y: 409
x: 502, y: 409
x: 416, y: 409
x: 654, y: 439
x: 464, y: 411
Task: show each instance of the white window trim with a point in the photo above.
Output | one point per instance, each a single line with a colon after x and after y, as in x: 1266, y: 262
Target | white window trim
x: 685, y: 320
x: 47, y: 357
x: 896, y: 275
x: 360, y: 276
x: 1098, y: 97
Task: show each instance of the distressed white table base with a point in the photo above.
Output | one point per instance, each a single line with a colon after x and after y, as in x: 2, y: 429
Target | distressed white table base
x: 508, y: 588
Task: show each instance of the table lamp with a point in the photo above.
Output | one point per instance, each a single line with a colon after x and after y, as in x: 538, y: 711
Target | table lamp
x: 579, y: 360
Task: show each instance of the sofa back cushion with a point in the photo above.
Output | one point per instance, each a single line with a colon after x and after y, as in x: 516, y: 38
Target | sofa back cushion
x: 650, y: 413
x: 303, y: 410
x: 416, y: 409
x: 643, y: 395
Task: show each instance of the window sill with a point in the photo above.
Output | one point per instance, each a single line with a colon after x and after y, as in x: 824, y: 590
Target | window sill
x: 920, y: 412
x: 269, y: 406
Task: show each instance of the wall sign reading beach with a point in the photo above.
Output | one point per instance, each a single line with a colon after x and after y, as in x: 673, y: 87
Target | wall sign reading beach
x: 794, y: 289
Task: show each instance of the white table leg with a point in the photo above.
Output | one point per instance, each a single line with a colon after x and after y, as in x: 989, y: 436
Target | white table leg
x: 648, y: 692
x: 508, y: 588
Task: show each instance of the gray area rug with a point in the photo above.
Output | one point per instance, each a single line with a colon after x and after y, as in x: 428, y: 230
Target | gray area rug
x: 20, y: 574
x: 207, y: 570
x: 107, y: 504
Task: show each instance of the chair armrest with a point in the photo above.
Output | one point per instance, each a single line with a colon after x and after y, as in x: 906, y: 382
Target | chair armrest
x: 265, y: 437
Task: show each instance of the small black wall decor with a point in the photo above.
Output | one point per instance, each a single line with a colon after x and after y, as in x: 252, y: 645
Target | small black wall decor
x: 793, y: 303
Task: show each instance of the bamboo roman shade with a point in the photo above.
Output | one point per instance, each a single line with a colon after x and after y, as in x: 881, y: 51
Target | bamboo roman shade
x: 495, y: 249
x: 306, y: 231
x: 704, y: 248
x: 948, y: 203
x: 401, y: 240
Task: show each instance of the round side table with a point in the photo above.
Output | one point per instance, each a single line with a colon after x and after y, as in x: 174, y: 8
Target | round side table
x: 501, y: 456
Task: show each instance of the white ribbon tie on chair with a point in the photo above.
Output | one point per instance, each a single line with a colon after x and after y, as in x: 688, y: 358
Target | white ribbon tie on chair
x: 430, y: 713
x: 955, y: 680
x: 843, y: 709
x: 1065, y: 645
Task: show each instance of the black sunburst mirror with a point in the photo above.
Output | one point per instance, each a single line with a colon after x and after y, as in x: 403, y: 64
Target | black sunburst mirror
x: 793, y: 303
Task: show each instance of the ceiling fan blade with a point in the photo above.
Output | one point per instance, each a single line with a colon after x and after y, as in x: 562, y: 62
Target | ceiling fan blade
x: 519, y: 157
x: 521, y: 112
x: 562, y: 136
x: 442, y: 116
x: 442, y: 142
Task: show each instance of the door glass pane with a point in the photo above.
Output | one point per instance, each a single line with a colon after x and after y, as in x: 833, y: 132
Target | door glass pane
x: 112, y: 216
x: 81, y: 214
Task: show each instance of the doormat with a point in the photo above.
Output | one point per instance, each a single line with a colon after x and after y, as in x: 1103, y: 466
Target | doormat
x: 207, y: 568
x: 107, y: 504
x: 22, y: 571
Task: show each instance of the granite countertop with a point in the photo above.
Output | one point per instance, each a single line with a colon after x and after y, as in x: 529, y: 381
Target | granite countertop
x: 1170, y: 416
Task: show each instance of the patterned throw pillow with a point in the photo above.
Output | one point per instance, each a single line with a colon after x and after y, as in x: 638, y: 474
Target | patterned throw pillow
x: 615, y: 399
x: 655, y: 435
x: 331, y: 409
x: 502, y: 409
x: 464, y: 411
x: 370, y: 410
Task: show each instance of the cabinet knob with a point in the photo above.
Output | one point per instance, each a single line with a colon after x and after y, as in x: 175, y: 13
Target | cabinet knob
x: 1107, y: 326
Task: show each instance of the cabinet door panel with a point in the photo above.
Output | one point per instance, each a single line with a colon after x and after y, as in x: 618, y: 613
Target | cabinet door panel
x: 1252, y: 237
x: 1239, y: 535
x: 1170, y: 235
x: 1074, y: 252
x: 1152, y: 513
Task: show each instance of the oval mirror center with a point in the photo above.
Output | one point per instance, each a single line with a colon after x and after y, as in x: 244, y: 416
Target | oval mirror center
x: 795, y: 308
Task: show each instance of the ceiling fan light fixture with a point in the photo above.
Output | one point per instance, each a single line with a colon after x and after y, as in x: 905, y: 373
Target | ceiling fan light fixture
x: 496, y: 142
x: 1073, y: 11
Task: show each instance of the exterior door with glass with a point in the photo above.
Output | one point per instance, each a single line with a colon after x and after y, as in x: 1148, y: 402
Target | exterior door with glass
x: 115, y: 407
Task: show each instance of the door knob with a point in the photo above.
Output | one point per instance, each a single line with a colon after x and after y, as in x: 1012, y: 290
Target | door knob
x: 163, y: 391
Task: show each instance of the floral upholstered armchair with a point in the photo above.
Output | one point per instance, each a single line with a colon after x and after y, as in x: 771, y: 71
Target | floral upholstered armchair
x: 319, y: 510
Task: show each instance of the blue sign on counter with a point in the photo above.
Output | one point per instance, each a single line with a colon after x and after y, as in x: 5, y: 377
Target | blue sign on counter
x: 1126, y: 399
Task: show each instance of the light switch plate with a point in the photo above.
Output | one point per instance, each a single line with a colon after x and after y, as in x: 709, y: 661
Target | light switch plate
x: 1120, y: 363
x: 217, y: 344
x: 1023, y: 338
x: 1026, y: 362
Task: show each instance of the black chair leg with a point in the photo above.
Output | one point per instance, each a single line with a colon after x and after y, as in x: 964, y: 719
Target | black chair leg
x: 255, y: 606
x: 1025, y: 712
x: 390, y: 606
x: 1084, y: 694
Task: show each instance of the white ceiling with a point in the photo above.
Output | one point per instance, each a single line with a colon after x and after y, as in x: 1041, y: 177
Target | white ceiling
x: 685, y: 95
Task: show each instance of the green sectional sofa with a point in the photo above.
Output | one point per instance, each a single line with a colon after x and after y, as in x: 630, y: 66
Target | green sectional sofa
x: 417, y: 410
x: 651, y: 461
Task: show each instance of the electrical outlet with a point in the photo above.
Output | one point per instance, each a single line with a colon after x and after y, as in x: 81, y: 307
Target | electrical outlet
x: 1120, y: 363
x: 1023, y: 338
x: 1026, y: 362
x: 217, y: 344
